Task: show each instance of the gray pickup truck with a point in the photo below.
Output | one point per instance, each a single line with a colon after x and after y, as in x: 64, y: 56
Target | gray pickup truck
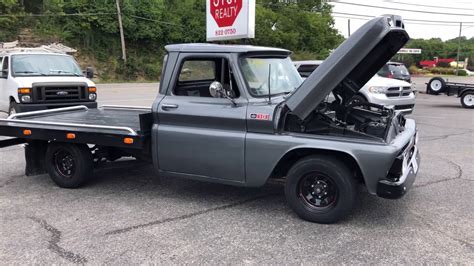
x: 241, y: 115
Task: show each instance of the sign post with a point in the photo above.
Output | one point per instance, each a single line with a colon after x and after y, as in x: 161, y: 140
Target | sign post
x: 230, y: 19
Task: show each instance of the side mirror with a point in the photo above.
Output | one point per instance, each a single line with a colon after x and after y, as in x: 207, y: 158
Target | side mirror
x: 216, y: 89
x: 89, y: 73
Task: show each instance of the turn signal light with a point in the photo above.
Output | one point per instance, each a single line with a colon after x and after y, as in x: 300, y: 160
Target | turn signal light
x: 27, y: 132
x: 128, y: 140
x: 92, y: 89
x: 24, y: 90
x: 70, y: 136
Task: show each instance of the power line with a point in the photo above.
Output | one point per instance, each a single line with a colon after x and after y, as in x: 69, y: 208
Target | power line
x: 415, y: 20
x: 455, y: 24
x: 410, y: 4
x: 155, y: 20
x: 403, y: 9
x: 57, y: 14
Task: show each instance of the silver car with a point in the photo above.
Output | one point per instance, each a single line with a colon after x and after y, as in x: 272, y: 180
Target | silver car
x: 388, y: 92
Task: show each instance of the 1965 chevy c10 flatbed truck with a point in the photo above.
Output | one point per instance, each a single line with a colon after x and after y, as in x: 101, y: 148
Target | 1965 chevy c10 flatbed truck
x: 241, y: 115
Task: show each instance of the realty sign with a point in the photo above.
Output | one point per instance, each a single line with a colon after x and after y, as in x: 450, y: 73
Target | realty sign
x: 230, y: 19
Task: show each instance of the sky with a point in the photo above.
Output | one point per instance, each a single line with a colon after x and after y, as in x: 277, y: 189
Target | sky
x: 444, y: 14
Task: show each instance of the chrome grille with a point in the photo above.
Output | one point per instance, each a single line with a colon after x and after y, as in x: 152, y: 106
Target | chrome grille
x: 60, y: 93
x: 398, y: 91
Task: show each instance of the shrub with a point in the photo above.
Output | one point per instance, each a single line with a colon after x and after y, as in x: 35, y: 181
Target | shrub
x: 462, y: 72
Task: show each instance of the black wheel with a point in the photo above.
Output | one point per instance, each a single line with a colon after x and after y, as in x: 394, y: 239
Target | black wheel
x: 13, y: 108
x: 69, y: 165
x: 467, y: 99
x: 320, y: 189
x: 435, y: 86
x: 357, y: 99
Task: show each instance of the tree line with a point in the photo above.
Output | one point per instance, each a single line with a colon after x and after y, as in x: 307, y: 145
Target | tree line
x: 304, y: 26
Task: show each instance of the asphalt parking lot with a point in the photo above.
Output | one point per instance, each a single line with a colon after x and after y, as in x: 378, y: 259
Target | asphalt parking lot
x: 127, y: 214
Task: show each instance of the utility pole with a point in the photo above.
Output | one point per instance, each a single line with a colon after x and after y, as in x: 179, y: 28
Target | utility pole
x: 348, y: 27
x: 122, y: 39
x: 459, y: 48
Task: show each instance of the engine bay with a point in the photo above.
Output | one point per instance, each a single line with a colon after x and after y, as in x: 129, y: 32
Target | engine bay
x: 337, y: 118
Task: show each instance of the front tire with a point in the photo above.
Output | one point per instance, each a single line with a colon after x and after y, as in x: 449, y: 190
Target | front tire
x: 69, y: 165
x: 12, y: 109
x: 467, y: 100
x: 320, y: 189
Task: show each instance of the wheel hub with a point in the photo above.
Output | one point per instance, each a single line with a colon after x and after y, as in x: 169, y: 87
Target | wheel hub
x: 318, y: 191
x: 64, y: 163
x: 469, y: 100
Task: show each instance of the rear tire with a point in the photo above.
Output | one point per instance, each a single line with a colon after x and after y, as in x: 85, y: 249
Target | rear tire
x: 467, y: 100
x: 436, y: 86
x: 13, y: 108
x: 320, y: 189
x: 69, y: 165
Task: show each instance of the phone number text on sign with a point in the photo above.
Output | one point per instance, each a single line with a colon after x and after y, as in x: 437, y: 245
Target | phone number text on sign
x: 225, y: 32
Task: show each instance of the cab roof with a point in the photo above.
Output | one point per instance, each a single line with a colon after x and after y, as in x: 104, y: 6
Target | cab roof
x: 218, y: 48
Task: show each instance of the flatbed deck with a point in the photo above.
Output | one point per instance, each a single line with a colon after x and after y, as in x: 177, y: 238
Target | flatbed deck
x: 108, y: 125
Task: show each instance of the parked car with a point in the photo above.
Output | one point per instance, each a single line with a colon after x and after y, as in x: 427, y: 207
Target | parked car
x: 388, y: 92
x: 231, y: 114
x: 395, y: 70
x: 31, y: 79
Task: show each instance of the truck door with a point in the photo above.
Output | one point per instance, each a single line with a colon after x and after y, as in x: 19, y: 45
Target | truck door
x: 199, y: 134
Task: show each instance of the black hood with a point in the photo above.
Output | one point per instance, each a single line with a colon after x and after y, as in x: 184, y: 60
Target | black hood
x: 352, y: 64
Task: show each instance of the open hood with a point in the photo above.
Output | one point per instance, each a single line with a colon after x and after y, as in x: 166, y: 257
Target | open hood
x: 351, y: 65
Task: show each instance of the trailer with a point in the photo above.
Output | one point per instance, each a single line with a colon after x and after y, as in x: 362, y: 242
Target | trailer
x: 464, y: 91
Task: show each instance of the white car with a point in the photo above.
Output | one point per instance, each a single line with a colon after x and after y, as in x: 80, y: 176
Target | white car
x: 34, y: 80
x: 378, y: 90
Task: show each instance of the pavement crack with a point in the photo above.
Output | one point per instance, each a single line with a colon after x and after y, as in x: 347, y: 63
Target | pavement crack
x: 53, y: 243
x: 434, y: 228
x: 443, y: 136
x: 187, y: 216
x: 459, y: 175
x: 9, y: 181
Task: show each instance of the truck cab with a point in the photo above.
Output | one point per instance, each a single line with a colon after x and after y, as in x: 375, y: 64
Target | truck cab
x: 33, y: 79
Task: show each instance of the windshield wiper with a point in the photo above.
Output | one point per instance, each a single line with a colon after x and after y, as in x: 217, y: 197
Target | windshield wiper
x: 29, y: 72
x: 65, y: 72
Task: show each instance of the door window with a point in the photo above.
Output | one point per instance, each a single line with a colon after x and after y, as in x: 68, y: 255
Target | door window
x: 197, y: 74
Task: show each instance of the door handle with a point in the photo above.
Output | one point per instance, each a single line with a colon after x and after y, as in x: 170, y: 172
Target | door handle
x: 167, y: 107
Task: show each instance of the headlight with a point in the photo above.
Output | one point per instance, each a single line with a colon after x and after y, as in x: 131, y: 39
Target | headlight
x: 377, y: 89
x: 92, y: 96
x: 26, y: 98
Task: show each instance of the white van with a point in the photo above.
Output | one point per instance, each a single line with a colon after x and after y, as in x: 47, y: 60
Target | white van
x: 35, y: 80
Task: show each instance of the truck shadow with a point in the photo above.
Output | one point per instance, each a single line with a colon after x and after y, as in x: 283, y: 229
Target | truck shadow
x: 269, y: 199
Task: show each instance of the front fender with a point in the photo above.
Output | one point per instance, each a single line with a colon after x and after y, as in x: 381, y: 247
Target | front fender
x: 264, y: 152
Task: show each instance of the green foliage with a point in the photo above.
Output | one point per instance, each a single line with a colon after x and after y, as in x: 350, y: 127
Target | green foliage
x: 462, y: 72
x: 304, y: 26
x: 437, y: 48
x: 9, y: 24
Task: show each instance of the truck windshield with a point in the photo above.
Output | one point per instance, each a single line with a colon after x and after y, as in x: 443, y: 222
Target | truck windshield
x: 44, y: 65
x: 279, y: 72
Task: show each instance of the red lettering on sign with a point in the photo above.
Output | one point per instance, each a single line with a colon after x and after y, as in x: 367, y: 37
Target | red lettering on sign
x: 225, y: 12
